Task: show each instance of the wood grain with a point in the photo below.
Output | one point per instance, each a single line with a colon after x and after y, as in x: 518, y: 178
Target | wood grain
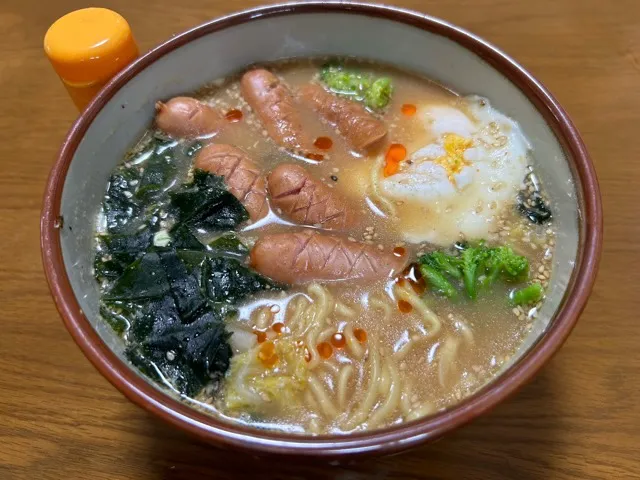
x: 579, y: 419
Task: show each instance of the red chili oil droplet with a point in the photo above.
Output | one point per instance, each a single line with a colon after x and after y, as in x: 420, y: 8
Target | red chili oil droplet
x: 399, y: 251
x: 400, y: 281
x: 278, y: 327
x: 323, y: 143
x: 404, y: 306
x: 409, y: 109
x: 315, y: 156
x: 260, y: 336
x: 325, y: 350
x: 269, y: 362
x: 267, y: 354
x: 360, y: 335
x: 338, y: 340
x: 396, y: 153
x: 234, y: 115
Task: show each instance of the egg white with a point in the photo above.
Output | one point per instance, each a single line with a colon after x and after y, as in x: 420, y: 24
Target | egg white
x: 440, y: 205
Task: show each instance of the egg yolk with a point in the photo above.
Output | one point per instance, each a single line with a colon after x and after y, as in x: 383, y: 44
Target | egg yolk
x: 453, y: 160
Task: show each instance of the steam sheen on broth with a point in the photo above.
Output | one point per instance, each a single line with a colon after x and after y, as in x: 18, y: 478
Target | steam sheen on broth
x: 342, y: 257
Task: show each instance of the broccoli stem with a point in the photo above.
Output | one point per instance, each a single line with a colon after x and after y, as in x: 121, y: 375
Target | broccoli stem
x: 437, y: 281
x: 527, y: 295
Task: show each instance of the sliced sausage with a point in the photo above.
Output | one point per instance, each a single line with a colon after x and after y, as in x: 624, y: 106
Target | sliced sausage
x: 187, y: 117
x: 275, y: 106
x: 308, y: 256
x: 361, y: 129
x: 306, y: 200
x: 242, y: 177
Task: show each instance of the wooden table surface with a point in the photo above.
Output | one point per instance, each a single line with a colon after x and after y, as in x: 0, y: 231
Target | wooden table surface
x: 580, y: 418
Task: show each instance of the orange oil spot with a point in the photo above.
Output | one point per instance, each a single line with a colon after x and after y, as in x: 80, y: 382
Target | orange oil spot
x: 338, y: 340
x: 278, y: 327
x: 267, y: 354
x: 323, y: 143
x: 396, y: 153
x: 399, y: 251
x: 260, y: 336
x: 315, y: 156
x: 325, y: 350
x: 360, y: 335
x: 404, y: 306
x: 234, y: 115
x: 408, y: 109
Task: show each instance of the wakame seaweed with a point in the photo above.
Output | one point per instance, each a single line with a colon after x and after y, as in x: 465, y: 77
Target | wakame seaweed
x: 531, y: 203
x: 187, y: 356
x: 163, y: 293
x: 166, y: 292
x: 131, y: 186
x: 205, y: 204
x: 120, y: 208
x: 117, y: 251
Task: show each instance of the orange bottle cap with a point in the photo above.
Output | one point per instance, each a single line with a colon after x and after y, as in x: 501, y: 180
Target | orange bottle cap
x: 89, y: 46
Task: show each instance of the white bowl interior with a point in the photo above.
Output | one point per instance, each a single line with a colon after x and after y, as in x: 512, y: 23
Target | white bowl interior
x: 129, y: 113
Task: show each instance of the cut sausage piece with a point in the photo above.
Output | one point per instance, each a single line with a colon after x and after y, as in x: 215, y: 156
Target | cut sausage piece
x: 242, y: 177
x: 275, y: 106
x: 308, y: 256
x: 306, y: 200
x: 187, y: 117
x: 361, y: 129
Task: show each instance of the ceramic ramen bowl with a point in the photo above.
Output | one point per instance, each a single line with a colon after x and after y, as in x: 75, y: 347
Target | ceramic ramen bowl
x: 404, y: 39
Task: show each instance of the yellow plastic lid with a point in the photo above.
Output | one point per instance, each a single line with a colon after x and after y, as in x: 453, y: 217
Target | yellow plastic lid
x: 87, y: 47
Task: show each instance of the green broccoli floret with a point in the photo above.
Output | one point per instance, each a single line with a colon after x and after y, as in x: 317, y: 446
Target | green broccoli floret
x: 503, y: 261
x: 343, y: 81
x: 527, y: 295
x: 376, y: 94
x: 477, y: 266
x: 437, y: 281
x: 473, y: 259
x: 449, y: 264
x: 379, y: 94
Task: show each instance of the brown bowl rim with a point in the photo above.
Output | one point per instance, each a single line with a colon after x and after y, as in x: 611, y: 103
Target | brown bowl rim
x: 388, y: 440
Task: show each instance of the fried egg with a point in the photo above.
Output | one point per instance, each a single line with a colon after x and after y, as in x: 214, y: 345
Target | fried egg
x: 457, y: 186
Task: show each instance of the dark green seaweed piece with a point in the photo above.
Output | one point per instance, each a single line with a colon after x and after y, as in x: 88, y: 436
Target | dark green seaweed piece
x: 117, y: 251
x: 183, y: 238
x: 115, y: 318
x: 227, y: 280
x: 147, y: 316
x: 206, y: 204
x: 120, y: 207
x: 184, y: 284
x: 144, y: 278
x: 228, y: 244
x: 531, y: 203
x: 187, y: 356
x: 159, y: 171
x: 534, y: 207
